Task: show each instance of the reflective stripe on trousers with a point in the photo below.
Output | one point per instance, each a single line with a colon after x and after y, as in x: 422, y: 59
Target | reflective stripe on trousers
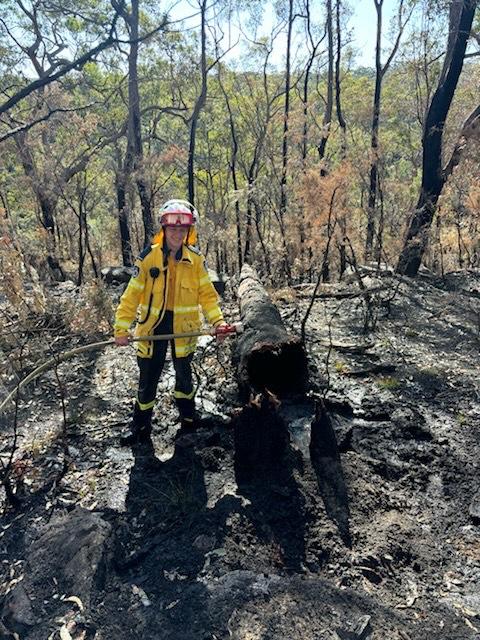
x: 151, y: 370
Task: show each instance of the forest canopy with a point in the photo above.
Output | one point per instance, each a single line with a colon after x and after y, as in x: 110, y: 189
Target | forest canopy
x: 299, y: 160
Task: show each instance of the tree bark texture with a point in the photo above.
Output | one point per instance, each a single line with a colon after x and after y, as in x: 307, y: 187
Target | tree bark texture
x: 327, y: 117
x: 433, y: 178
x: 267, y: 357
x: 134, y: 160
x: 199, y: 104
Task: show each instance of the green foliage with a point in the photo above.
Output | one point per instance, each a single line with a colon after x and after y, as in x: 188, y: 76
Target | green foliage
x: 78, y: 154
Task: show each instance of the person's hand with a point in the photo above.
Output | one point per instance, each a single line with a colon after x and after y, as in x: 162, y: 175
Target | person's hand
x: 121, y: 341
x: 220, y: 331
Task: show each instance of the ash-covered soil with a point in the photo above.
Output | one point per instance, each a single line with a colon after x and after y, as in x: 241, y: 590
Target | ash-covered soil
x: 370, y: 532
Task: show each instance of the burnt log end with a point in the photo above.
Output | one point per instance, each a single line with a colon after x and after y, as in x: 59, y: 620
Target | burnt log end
x: 266, y: 356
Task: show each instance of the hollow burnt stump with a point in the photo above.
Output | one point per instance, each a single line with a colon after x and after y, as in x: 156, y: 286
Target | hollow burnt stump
x: 261, y: 439
x: 267, y: 358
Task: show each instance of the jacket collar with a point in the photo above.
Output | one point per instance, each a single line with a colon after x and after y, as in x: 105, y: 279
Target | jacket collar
x: 182, y: 255
x: 186, y: 255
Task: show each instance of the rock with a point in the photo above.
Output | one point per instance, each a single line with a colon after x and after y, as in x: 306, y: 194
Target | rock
x: 70, y: 551
x: 17, y: 612
x: 361, y: 631
x: 116, y: 275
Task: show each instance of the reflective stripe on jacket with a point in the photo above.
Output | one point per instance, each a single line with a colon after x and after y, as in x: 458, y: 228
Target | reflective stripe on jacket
x: 193, y: 287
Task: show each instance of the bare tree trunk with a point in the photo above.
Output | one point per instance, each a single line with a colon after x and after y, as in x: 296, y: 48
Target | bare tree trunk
x: 233, y: 171
x: 342, y: 222
x: 286, y: 114
x: 373, y: 186
x: 134, y: 160
x: 379, y: 75
x: 338, y: 88
x: 247, y: 256
x: 47, y: 202
x: 327, y: 117
x: 305, y: 97
x: 123, y: 211
x: 258, y: 220
x: 433, y: 178
x: 199, y: 104
x: 267, y: 357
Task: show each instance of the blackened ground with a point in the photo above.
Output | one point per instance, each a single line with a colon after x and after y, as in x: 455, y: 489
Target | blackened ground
x: 365, y: 514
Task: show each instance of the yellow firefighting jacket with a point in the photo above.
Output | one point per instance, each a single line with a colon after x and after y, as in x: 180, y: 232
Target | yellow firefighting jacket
x: 193, y: 287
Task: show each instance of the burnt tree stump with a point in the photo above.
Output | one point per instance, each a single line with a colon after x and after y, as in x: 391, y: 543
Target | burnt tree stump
x: 261, y: 439
x: 266, y: 356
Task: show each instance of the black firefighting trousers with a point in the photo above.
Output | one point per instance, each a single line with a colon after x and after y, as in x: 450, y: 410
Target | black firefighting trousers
x: 151, y: 370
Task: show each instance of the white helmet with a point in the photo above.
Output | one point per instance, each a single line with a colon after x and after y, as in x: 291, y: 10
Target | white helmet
x: 178, y: 213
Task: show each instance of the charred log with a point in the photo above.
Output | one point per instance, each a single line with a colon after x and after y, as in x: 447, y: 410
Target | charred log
x: 266, y: 356
x: 261, y: 439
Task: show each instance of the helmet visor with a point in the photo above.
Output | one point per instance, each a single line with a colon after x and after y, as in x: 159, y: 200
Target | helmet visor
x: 176, y: 219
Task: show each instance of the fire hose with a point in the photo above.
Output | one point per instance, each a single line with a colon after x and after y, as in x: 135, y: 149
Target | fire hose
x: 224, y: 330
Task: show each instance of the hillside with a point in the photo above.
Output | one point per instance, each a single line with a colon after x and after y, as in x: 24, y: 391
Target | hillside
x: 372, y: 532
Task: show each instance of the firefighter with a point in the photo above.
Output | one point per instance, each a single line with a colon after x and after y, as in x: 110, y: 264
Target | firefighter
x: 169, y: 282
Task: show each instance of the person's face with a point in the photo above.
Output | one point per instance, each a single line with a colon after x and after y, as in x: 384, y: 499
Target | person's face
x: 175, y: 237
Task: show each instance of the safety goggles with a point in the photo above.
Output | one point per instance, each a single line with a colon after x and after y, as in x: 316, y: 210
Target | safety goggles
x: 177, y: 219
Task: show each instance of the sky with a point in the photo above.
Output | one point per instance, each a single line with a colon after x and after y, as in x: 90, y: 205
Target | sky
x: 362, y: 25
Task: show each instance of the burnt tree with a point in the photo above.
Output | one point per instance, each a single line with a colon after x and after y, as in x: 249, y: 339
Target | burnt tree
x: 134, y: 159
x: 380, y: 71
x: 327, y: 117
x: 433, y: 177
x: 267, y: 357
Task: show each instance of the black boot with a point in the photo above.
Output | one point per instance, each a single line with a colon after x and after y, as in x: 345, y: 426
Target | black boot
x: 140, y: 428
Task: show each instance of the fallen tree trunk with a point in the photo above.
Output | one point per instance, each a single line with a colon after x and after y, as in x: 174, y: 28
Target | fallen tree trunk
x: 266, y: 356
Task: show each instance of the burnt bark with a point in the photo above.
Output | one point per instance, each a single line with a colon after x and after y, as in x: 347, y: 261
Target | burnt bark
x: 286, y: 115
x: 338, y: 88
x: 327, y: 117
x: 134, y: 161
x: 261, y: 440
x: 267, y: 357
x: 199, y: 104
x: 433, y: 178
x: 123, y: 211
x: 380, y: 71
